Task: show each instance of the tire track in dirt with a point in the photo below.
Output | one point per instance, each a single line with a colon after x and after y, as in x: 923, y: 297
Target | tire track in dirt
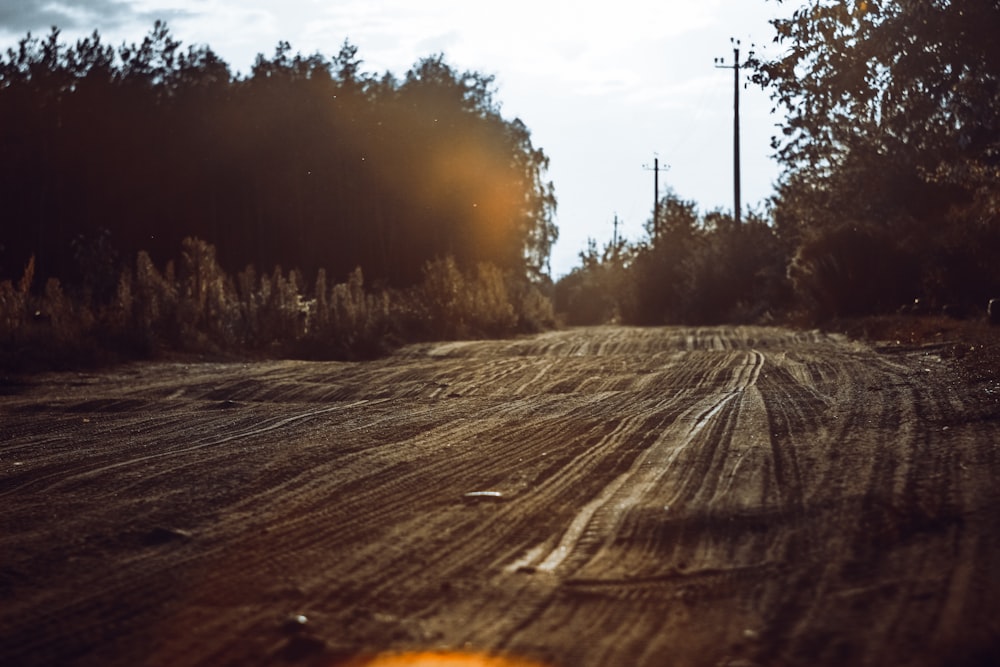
x: 53, y: 481
x: 597, y: 521
x: 716, y: 495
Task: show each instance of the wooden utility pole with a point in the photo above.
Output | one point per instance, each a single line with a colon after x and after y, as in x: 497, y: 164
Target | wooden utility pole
x: 656, y: 195
x: 614, y: 239
x: 736, y: 66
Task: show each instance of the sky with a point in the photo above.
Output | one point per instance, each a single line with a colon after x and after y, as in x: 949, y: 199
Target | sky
x: 604, y: 87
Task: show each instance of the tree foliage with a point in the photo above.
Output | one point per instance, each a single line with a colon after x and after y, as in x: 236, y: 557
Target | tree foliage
x: 307, y: 161
x: 891, y: 182
x: 691, y: 268
x: 893, y: 128
x: 597, y: 291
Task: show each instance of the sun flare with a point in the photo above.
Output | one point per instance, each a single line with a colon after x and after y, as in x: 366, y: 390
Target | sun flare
x: 439, y: 659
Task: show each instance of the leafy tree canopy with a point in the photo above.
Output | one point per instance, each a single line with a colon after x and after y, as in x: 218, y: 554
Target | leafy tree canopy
x: 911, y: 79
x: 893, y: 121
x: 307, y: 161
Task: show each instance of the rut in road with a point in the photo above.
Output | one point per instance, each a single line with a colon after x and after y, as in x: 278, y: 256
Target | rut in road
x: 715, y: 496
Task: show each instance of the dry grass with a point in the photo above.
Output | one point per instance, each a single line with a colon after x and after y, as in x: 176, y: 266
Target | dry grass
x: 199, y: 309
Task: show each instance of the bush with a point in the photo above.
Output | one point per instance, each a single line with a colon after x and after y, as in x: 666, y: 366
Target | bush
x: 452, y: 304
x: 853, y: 270
x: 959, y: 265
x: 693, y: 269
x: 735, y: 274
x: 200, y: 309
x: 596, y: 292
x: 532, y: 307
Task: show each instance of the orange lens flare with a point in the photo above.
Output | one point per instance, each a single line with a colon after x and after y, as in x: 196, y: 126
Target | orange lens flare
x: 439, y: 659
x: 475, y: 172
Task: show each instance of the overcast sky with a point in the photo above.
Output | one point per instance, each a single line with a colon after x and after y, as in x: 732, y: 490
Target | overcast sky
x: 603, y: 87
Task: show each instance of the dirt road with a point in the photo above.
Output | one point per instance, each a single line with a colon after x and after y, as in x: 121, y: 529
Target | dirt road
x: 589, y: 497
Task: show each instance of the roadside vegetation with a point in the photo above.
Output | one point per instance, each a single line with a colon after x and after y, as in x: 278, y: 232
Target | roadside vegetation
x: 691, y: 269
x: 401, y: 208
x: 409, y: 209
x: 194, y: 307
x: 890, y: 196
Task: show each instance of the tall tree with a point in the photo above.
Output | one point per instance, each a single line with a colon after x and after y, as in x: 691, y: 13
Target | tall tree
x: 893, y: 121
x: 307, y: 161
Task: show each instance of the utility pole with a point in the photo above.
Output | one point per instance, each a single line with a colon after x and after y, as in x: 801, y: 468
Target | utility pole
x: 736, y: 67
x: 656, y: 195
x: 614, y: 239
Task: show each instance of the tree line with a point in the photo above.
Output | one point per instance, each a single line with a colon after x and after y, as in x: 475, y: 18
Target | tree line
x: 691, y: 268
x: 889, y: 193
x: 890, y: 189
x: 307, y: 162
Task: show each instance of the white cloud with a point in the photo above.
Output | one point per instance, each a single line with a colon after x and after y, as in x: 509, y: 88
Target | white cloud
x: 35, y: 15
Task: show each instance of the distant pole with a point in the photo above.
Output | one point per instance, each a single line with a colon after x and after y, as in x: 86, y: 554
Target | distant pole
x: 736, y: 134
x: 736, y: 66
x: 656, y: 195
x: 614, y: 239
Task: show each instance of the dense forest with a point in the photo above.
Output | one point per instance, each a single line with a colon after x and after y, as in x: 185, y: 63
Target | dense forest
x: 151, y: 199
x: 890, y: 192
x: 306, y: 162
x: 409, y: 208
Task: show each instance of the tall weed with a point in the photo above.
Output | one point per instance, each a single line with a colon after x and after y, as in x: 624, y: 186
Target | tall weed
x: 199, y: 308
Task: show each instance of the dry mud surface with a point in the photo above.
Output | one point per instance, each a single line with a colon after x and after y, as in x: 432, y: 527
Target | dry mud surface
x: 589, y: 497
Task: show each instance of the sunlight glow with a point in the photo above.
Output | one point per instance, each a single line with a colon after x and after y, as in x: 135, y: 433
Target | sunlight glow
x: 438, y: 659
x: 472, y: 167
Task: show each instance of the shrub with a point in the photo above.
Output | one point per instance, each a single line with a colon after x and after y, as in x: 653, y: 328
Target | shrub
x: 155, y: 319
x: 487, y: 301
x: 735, y: 274
x: 201, y: 309
x: 345, y: 320
x: 598, y: 291
x: 852, y: 270
x: 959, y: 264
x: 14, y: 303
x: 532, y: 307
x: 441, y: 294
